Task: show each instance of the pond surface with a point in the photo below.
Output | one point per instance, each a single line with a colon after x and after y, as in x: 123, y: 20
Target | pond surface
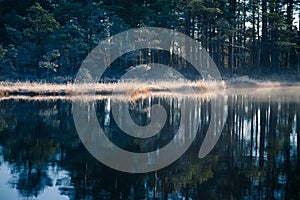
x: 256, y: 157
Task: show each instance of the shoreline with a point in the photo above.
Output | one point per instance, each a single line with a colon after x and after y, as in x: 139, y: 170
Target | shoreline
x: 231, y: 85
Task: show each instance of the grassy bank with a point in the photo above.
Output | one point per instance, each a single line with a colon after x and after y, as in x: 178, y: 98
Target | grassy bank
x: 34, y: 88
x: 136, y: 89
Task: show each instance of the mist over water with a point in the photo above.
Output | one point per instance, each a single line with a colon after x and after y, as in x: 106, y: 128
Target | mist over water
x: 134, y: 89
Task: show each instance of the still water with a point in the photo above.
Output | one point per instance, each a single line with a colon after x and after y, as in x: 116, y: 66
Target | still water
x: 256, y: 157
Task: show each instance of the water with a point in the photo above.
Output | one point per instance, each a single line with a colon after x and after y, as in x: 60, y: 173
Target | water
x: 256, y: 157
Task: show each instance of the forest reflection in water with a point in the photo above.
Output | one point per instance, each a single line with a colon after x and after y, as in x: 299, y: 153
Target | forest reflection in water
x: 256, y: 157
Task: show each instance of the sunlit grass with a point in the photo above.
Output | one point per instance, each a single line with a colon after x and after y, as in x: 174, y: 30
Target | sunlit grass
x: 134, y: 89
x: 34, y: 88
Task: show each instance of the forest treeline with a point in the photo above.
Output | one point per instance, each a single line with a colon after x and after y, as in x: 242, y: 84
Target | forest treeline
x: 43, y: 39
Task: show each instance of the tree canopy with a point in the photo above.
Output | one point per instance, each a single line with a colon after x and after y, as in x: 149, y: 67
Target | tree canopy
x: 44, y: 39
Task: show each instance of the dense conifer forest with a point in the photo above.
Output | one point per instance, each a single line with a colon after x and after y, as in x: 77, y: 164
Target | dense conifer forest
x: 49, y: 39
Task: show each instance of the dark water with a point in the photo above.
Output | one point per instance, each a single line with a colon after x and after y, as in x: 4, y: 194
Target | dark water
x: 256, y: 157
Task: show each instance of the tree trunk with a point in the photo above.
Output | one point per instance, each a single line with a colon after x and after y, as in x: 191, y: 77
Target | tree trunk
x: 274, y: 38
x: 254, y: 57
x: 264, y: 39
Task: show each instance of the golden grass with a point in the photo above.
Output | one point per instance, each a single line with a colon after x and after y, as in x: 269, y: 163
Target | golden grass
x: 28, y: 88
x: 126, y: 90
x: 134, y: 90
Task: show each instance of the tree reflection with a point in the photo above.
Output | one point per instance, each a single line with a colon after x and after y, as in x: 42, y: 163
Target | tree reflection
x: 257, y: 156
